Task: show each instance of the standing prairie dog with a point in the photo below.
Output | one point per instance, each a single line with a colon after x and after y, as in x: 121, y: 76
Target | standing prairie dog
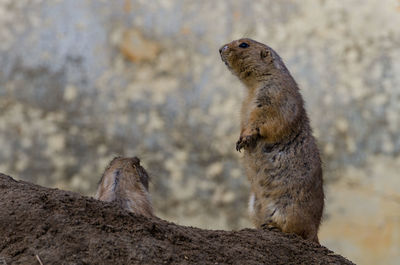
x: 281, y: 157
x: 126, y: 182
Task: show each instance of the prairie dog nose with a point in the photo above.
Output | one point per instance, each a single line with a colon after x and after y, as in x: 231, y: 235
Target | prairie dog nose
x: 223, y: 48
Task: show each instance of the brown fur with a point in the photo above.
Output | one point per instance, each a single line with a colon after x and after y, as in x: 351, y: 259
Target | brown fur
x: 281, y: 157
x: 126, y: 182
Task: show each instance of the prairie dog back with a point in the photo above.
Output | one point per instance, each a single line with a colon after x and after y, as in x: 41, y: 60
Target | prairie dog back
x: 126, y: 182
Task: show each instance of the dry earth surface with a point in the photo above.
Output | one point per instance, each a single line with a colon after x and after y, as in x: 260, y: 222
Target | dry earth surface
x: 61, y: 227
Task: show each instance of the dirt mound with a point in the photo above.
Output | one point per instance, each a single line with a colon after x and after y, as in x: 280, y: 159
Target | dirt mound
x: 62, y: 227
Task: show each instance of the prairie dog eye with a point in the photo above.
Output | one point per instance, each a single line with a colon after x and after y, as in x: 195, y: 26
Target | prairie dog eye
x: 243, y: 45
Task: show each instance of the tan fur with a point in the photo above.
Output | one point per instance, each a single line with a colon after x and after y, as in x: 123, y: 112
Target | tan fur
x: 126, y: 182
x: 281, y: 158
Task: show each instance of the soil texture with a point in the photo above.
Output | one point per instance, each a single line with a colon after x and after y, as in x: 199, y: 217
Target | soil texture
x: 61, y: 227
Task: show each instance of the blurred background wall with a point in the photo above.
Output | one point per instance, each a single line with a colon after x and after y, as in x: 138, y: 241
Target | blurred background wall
x: 83, y: 81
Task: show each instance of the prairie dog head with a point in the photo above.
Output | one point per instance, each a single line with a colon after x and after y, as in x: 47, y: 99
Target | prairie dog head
x: 251, y: 61
x: 126, y: 182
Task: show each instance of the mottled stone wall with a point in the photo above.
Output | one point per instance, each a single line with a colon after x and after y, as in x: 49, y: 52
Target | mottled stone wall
x: 82, y: 81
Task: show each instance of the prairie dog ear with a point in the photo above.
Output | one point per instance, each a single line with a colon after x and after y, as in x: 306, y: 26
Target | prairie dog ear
x: 276, y: 60
x: 264, y: 53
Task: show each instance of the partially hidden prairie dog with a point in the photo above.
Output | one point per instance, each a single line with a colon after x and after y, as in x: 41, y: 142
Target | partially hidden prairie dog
x: 126, y: 182
x: 281, y: 158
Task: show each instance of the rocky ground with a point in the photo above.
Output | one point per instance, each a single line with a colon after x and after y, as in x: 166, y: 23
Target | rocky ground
x: 60, y: 227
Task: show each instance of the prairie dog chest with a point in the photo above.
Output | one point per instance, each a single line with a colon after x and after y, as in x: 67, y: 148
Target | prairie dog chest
x: 248, y: 106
